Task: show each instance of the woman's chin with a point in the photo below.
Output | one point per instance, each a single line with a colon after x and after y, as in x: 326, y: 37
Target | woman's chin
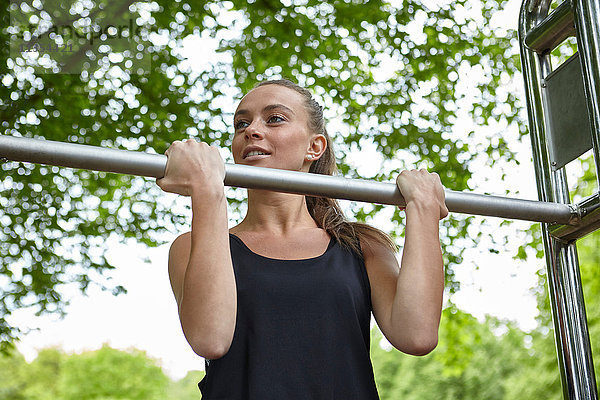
x: 268, y: 162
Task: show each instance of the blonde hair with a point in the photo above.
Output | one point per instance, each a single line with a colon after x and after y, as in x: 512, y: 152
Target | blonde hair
x: 325, y: 211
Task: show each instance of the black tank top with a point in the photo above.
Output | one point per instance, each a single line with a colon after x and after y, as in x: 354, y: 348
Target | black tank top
x: 302, y: 330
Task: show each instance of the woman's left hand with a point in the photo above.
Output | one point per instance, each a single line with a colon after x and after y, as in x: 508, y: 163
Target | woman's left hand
x: 423, y: 189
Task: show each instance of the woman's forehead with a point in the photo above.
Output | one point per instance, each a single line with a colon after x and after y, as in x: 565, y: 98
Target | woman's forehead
x: 272, y: 94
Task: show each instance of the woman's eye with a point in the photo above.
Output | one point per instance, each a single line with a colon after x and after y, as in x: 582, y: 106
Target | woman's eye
x: 240, y: 125
x: 275, y: 119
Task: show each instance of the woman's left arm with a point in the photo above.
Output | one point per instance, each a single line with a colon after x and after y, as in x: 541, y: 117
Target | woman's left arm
x: 407, y: 301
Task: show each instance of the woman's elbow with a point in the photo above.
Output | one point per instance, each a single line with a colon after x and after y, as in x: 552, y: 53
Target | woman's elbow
x: 418, y: 345
x: 208, y: 343
x: 423, y: 346
x: 211, y: 339
x: 211, y: 350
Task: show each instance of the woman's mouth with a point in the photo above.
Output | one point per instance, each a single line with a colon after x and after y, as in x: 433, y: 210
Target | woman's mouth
x: 256, y: 155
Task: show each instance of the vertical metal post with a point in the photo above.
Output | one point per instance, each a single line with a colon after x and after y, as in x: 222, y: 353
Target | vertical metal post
x: 587, y: 23
x: 564, y: 281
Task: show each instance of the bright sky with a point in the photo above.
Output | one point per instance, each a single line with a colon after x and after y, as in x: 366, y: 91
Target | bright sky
x: 146, y: 318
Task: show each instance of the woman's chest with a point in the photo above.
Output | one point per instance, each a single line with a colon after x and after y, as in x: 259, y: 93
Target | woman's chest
x: 295, y: 248
x: 279, y: 289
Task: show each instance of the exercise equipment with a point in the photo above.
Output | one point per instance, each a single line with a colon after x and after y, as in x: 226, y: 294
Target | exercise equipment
x: 153, y: 165
x: 564, y: 122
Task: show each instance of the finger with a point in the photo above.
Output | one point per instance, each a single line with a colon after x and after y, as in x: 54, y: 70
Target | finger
x: 400, y: 181
x: 444, y: 213
x: 174, y: 143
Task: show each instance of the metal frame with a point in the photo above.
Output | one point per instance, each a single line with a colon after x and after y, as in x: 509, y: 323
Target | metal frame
x: 539, y: 34
x: 153, y: 165
x: 569, y: 221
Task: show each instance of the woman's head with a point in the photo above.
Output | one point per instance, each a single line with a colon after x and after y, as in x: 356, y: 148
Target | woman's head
x: 326, y: 163
x: 282, y: 119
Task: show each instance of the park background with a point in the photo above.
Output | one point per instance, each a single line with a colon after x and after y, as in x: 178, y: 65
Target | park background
x: 405, y: 84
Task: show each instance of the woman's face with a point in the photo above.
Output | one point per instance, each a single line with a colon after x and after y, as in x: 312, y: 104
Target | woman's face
x: 271, y: 130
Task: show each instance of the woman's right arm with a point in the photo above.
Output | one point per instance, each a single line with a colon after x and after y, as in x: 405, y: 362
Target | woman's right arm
x: 200, y: 266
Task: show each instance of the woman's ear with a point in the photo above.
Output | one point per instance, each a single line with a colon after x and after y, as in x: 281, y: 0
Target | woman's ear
x: 318, y: 145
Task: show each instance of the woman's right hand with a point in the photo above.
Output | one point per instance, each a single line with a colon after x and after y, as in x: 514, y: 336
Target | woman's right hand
x: 423, y: 188
x: 192, y: 167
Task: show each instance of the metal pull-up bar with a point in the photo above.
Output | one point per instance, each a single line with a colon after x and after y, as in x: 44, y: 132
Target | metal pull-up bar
x: 153, y: 165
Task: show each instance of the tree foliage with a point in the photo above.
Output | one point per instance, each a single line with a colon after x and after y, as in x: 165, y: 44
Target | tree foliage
x: 111, y: 374
x: 12, y: 379
x: 399, y: 75
x: 187, y: 387
x: 47, y: 369
x: 472, y: 361
x: 104, y: 374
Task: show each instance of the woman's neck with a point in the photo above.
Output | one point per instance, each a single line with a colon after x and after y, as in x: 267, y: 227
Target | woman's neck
x: 276, y: 213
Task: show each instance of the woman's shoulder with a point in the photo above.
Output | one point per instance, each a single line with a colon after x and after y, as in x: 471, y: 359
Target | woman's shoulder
x: 181, y: 245
x: 182, y: 239
x: 373, y: 249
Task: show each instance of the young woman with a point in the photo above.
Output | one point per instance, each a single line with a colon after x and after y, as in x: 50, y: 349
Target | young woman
x: 281, y: 303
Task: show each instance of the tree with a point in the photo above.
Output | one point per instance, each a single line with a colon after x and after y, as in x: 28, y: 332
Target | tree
x: 187, y: 387
x: 537, y: 375
x: 111, y: 374
x: 12, y: 379
x: 473, y: 360
x: 96, y: 375
x: 396, y: 76
x: 43, y: 375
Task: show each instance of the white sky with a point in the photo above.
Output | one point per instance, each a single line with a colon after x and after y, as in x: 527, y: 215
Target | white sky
x: 146, y: 318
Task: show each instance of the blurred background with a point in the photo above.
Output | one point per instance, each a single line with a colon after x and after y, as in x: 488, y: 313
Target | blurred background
x: 86, y: 307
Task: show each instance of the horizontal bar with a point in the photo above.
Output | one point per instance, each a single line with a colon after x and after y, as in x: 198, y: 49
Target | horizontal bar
x: 153, y: 165
x: 589, y: 210
x: 82, y: 156
x: 553, y: 30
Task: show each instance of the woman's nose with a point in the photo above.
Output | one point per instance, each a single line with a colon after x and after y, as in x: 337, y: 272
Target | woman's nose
x: 254, y: 130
